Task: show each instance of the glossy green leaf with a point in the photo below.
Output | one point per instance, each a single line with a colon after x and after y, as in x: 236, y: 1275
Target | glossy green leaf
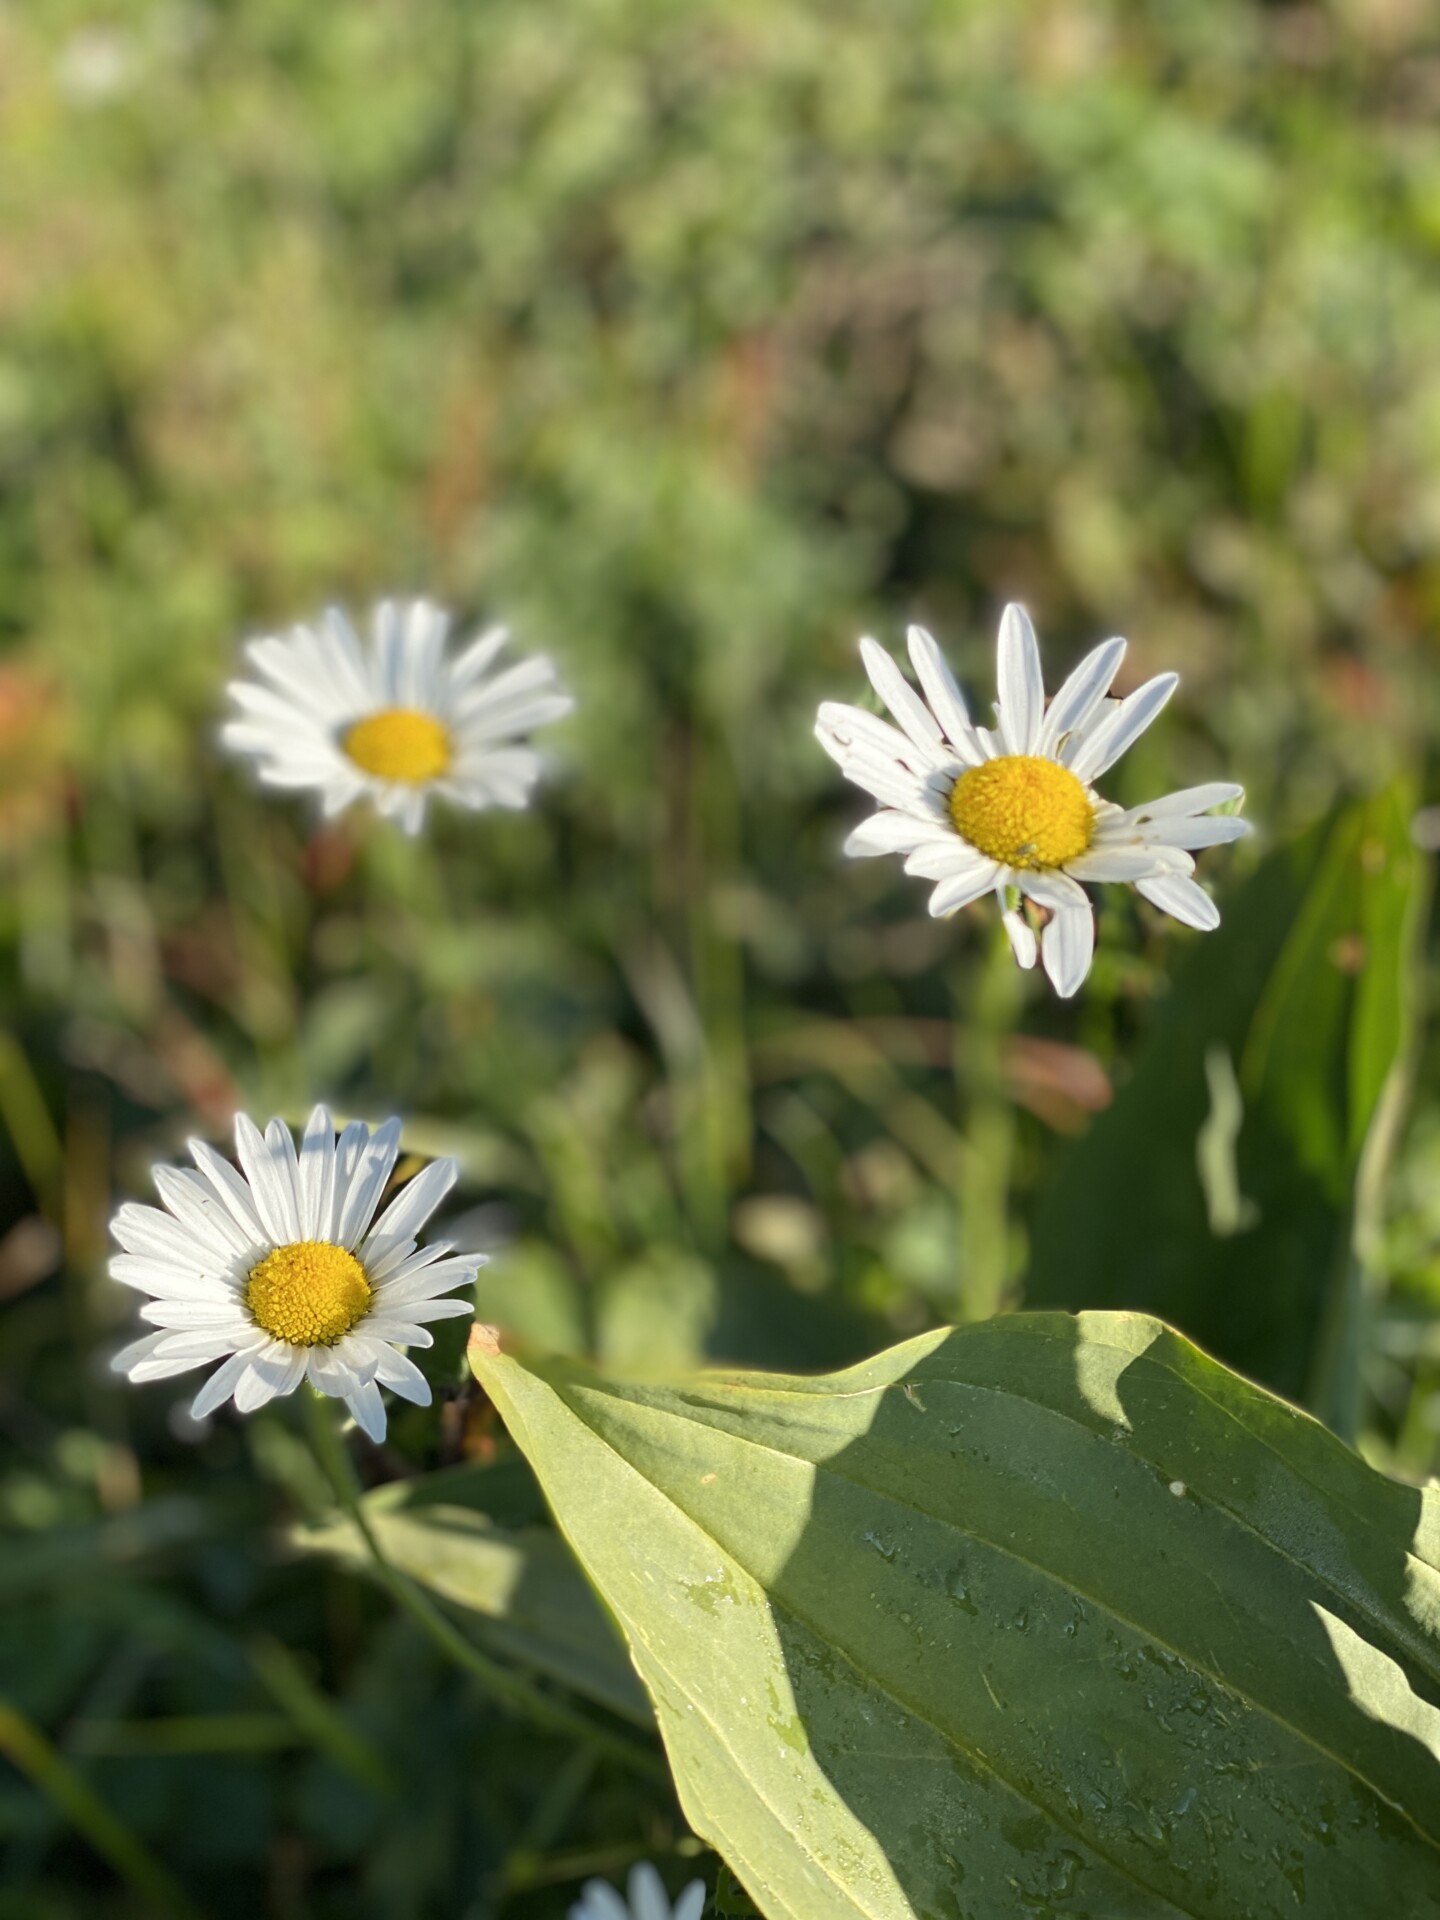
x: 1044, y: 1616
x: 1218, y: 1189
x: 475, y: 1537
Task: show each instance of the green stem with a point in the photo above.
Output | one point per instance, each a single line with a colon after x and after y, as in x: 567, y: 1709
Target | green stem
x: 25, y: 1746
x: 498, y: 1681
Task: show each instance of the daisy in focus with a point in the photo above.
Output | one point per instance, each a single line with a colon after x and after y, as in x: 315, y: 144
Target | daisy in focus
x: 1013, y: 809
x: 282, y: 1273
x: 648, y: 1899
x: 396, y: 720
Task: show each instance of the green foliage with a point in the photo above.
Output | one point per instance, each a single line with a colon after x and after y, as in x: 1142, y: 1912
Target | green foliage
x: 1219, y: 1188
x: 472, y: 1536
x: 1045, y: 1615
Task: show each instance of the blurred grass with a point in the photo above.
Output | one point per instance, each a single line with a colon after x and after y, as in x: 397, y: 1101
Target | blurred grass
x: 692, y: 340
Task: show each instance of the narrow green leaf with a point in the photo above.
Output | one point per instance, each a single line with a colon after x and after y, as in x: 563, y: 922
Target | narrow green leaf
x: 1218, y: 1189
x: 468, y: 1535
x: 1043, y: 1616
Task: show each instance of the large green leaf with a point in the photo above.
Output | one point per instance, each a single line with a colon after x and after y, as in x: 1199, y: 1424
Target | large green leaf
x: 1218, y: 1189
x: 1044, y: 1616
x: 473, y: 1536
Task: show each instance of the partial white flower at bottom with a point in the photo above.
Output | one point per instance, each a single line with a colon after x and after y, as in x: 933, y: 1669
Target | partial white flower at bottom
x: 281, y: 1271
x: 648, y: 1899
x: 1013, y: 810
x: 396, y: 720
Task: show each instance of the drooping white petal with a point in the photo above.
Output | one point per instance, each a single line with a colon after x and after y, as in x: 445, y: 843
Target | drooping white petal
x: 691, y: 1904
x: 1182, y: 899
x: 1067, y: 947
x: 1081, y: 694
x: 1021, y: 706
x: 1022, y: 938
x: 369, y: 1410
x: 600, y: 1902
x: 402, y: 1376
x: 1120, y: 729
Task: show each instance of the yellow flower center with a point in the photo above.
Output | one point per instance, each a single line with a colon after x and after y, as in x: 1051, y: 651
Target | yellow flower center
x: 308, y: 1293
x: 399, y: 744
x: 1023, y: 810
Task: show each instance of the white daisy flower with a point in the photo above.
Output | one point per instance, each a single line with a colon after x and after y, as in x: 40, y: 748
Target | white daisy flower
x: 395, y: 721
x: 278, y: 1271
x: 648, y: 1900
x: 1014, y: 809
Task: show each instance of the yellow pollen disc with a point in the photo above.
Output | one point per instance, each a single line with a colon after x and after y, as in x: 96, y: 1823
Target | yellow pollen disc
x: 399, y: 744
x: 1023, y: 810
x: 308, y: 1293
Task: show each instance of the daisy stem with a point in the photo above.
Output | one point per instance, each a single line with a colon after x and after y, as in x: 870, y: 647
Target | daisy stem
x: 508, y: 1688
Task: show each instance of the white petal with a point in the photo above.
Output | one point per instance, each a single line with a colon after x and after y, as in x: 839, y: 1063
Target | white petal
x: 317, y: 1177
x: 270, y: 1183
x: 436, y: 1309
x: 1051, y: 889
x: 647, y: 1893
x: 1021, y: 681
x: 1189, y: 800
x: 167, y: 1282
x: 369, y: 1410
x: 961, y: 888
x: 1081, y: 694
x: 691, y: 1903
x: 219, y: 1387
x: 200, y: 1211
x: 899, y: 696
x: 1182, y: 899
x: 888, y: 832
x: 416, y: 1282
x: 1022, y: 937
x: 939, y: 858
x: 1068, y: 945
x: 402, y: 1376
x: 946, y: 700
x: 358, y: 1191
x: 413, y: 1205
x: 601, y: 1902
x: 329, y: 1374
x: 472, y: 661
x: 1114, y: 863
x: 159, y: 1236
x: 397, y: 1330
x: 1122, y: 727
x: 1215, y: 830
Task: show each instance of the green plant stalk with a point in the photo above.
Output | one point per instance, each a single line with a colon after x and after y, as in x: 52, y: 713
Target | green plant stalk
x: 27, y: 1749
x: 505, y: 1687
x: 991, y: 997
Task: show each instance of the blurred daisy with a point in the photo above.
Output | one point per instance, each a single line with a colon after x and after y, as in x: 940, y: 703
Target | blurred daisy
x: 282, y: 1273
x: 648, y: 1900
x: 395, y: 721
x: 1013, y: 810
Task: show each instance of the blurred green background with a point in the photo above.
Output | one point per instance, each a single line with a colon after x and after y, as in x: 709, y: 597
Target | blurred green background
x: 691, y: 339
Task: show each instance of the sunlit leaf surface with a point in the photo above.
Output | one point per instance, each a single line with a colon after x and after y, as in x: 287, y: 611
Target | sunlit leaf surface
x: 1043, y: 1616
